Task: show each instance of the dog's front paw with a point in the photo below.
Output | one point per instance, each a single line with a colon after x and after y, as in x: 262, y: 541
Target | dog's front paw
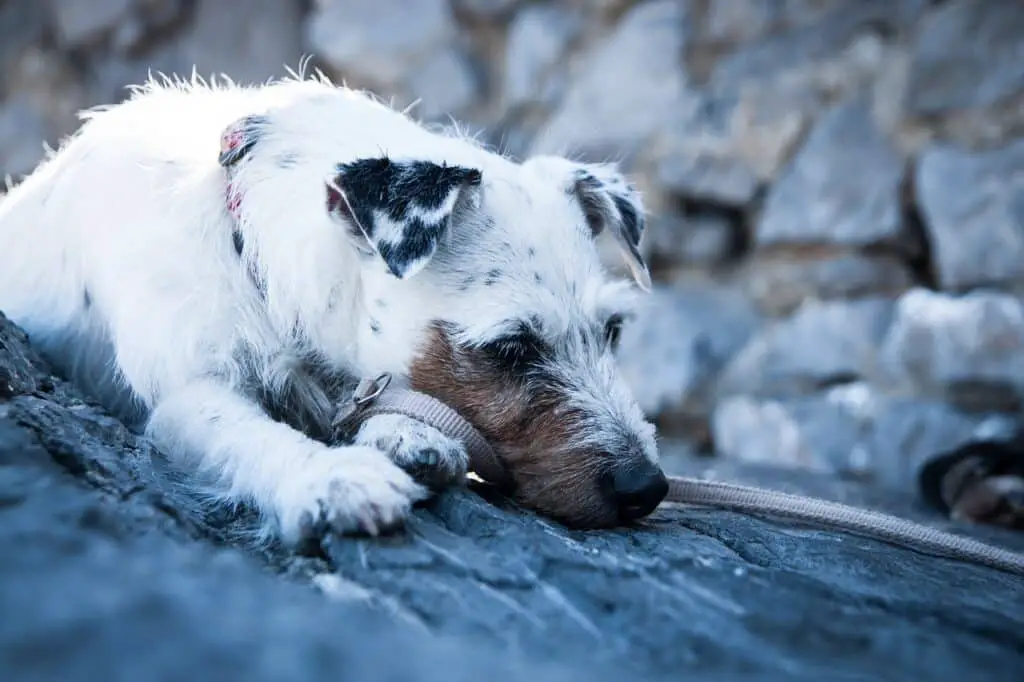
x: 347, y: 490
x: 429, y: 456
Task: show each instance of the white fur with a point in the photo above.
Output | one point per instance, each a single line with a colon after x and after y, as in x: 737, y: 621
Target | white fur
x: 131, y: 213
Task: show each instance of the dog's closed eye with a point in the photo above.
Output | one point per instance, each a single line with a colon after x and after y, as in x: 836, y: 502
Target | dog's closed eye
x: 515, y: 352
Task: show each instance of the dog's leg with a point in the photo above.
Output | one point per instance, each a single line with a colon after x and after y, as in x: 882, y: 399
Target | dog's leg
x: 429, y: 456
x: 304, y: 486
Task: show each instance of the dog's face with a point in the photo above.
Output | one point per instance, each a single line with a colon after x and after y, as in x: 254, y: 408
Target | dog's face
x: 494, y: 272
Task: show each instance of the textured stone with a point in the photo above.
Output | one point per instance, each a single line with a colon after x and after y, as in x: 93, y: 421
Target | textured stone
x: 822, y: 343
x: 375, y: 41
x: 678, y: 343
x: 843, y: 187
x: 721, y: 148
x: 80, y: 23
x: 744, y: 20
x: 699, y: 237
x: 780, y: 281
x: 972, y: 204
x: 967, y: 53
x: 538, y: 39
x: 815, y: 54
x: 444, y: 83
x: 968, y: 347
x: 114, y: 577
x: 850, y: 430
x: 489, y: 9
x: 22, y: 134
x: 22, y: 25
x: 628, y: 87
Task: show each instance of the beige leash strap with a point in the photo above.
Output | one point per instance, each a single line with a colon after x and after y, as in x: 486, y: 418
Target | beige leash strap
x: 372, y: 397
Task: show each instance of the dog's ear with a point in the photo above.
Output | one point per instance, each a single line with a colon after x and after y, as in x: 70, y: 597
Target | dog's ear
x: 402, y: 209
x: 611, y: 203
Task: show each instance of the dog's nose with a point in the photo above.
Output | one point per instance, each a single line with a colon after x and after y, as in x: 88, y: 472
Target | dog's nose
x: 638, y: 488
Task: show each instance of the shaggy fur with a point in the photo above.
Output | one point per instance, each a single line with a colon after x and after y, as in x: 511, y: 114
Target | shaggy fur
x: 220, y: 264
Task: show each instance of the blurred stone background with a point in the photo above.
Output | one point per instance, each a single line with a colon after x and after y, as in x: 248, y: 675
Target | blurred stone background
x: 836, y: 187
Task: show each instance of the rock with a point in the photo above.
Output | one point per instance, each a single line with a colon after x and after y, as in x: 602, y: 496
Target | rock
x: 538, y: 39
x: 112, y: 579
x: 250, y: 42
x: 22, y: 25
x: 842, y: 188
x: 972, y: 205
x: 700, y: 238
x: 851, y: 431
x: 77, y: 23
x: 815, y: 54
x: 147, y: 21
x: 375, y: 41
x: 445, y: 84
x: 683, y: 336
x: 966, y: 55
x: 22, y: 134
x: 487, y: 9
x: 723, y: 147
x: 821, y: 344
x: 780, y: 281
x: 625, y: 90
x: 967, y: 348
x: 741, y: 21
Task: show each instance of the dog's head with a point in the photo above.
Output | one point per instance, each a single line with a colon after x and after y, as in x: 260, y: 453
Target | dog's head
x: 482, y: 282
x: 516, y: 320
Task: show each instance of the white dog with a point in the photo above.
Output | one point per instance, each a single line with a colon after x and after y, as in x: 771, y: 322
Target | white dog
x: 219, y: 265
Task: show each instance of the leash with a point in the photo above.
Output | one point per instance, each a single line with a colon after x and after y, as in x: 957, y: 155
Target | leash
x: 375, y: 396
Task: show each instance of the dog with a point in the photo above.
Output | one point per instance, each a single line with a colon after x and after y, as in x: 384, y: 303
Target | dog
x: 219, y: 264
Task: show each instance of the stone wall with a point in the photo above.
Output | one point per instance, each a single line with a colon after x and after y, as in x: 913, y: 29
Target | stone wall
x: 836, y: 186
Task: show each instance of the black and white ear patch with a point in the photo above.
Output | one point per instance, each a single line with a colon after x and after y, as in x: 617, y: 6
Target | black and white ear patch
x: 402, y: 208
x: 610, y: 202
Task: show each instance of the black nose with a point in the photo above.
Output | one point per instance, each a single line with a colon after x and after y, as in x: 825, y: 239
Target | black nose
x: 638, y: 487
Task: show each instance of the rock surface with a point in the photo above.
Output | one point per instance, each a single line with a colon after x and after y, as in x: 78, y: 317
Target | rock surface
x: 973, y: 207
x: 111, y: 579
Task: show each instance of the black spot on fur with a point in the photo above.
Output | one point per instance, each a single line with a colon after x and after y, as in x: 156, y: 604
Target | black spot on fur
x: 238, y: 241
x: 374, y: 326
x: 402, y: 192
x: 632, y: 224
x: 86, y: 299
x: 537, y: 278
x: 531, y: 252
x: 591, y: 194
x: 492, y: 277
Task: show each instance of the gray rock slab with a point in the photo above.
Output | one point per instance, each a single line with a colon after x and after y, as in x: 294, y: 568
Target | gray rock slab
x: 111, y: 579
x: 822, y: 343
x: 376, y: 40
x: 972, y: 205
x: 627, y: 88
x: 968, y: 347
x: 842, y: 187
x: 967, y: 54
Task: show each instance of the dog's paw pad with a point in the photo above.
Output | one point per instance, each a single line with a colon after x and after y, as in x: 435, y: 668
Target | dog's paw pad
x: 426, y: 454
